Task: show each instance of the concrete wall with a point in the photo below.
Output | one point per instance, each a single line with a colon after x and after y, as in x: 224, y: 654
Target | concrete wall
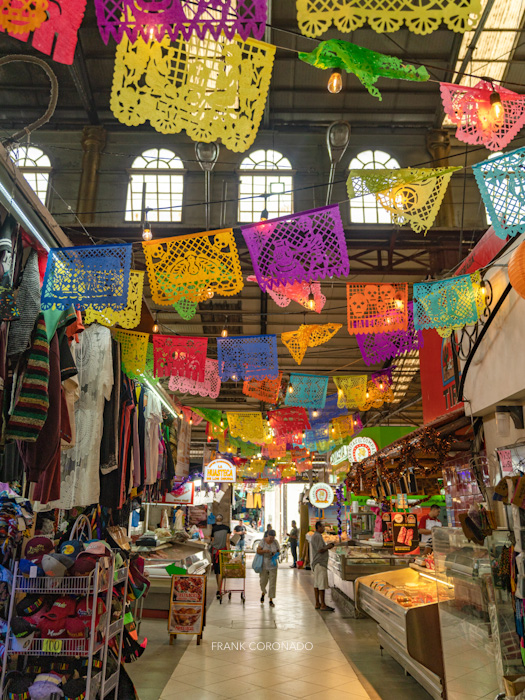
x: 305, y: 150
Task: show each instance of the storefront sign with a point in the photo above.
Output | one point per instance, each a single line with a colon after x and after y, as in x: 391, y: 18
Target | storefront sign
x: 221, y: 471
x: 505, y: 460
x: 361, y: 448
x: 187, y: 604
x: 339, y: 455
x: 321, y: 495
x: 183, y: 496
x: 405, y: 534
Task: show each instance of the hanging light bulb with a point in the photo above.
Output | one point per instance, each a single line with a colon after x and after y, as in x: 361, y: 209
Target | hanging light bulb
x: 210, y: 293
x: 335, y: 81
x: 483, y: 288
x: 147, y: 235
x: 367, y: 394
x: 155, y: 328
x: 315, y: 413
x: 191, y: 420
x: 209, y: 438
x: 222, y: 423
x: 265, y: 215
x: 311, y: 301
x: 497, y: 111
x: 234, y: 377
x: 381, y: 386
x: 224, y: 333
x: 290, y: 389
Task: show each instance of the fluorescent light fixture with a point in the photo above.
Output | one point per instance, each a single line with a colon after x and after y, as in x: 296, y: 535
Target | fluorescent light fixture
x: 11, y: 205
x: 163, y: 401
x: 434, y: 578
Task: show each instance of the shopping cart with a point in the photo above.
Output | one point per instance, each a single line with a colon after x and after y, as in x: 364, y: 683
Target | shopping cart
x: 233, y: 568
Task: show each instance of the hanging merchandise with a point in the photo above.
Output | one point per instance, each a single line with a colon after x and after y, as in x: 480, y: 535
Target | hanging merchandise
x: 287, y: 421
x: 265, y: 389
x: 193, y: 267
x: 308, y: 295
x: 30, y: 411
x: 128, y: 316
x: 134, y: 349
x: 186, y: 17
x: 330, y: 410
x: 411, y: 195
x: 500, y: 180
x: 180, y: 356
x: 212, y: 89
x: 377, y: 308
x: 247, y: 426
x: 315, y: 18
x: 449, y: 304
x: 89, y: 275
x: 378, y: 390
x: 305, y: 337
x: 380, y: 347
x: 210, y: 386
x: 368, y: 66
x: 351, y: 391
x: 247, y: 357
x: 484, y: 114
x: 182, y: 467
x: 308, y: 246
x: 57, y: 36
x: 307, y: 390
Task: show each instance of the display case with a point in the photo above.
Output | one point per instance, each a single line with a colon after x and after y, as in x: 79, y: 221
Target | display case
x: 480, y: 643
x: 362, y: 524
x: 404, y: 603
x: 345, y: 564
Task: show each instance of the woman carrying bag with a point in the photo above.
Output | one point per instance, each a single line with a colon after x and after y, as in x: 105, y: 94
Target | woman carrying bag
x: 269, y: 550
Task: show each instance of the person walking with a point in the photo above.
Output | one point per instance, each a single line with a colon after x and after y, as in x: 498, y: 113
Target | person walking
x: 293, y: 536
x: 268, y: 528
x: 270, y: 549
x: 319, y: 560
x: 220, y: 540
x: 241, y: 531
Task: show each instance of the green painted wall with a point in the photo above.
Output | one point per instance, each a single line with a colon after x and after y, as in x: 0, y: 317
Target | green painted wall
x: 386, y: 434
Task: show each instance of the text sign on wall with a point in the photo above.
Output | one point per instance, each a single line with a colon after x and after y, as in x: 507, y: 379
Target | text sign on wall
x: 221, y: 471
x: 361, y: 448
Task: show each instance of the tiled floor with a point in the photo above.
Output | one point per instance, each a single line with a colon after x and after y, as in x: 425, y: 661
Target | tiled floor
x: 269, y: 667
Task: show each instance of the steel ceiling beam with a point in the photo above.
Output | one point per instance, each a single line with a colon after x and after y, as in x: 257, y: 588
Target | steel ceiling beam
x: 79, y: 74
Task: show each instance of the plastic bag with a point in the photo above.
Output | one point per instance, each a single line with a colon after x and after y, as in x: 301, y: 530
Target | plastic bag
x: 257, y: 563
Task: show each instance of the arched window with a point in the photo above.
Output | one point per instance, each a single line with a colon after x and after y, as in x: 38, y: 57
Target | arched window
x: 265, y: 173
x: 366, y: 210
x: 36, y: 167
x: 152, y: 185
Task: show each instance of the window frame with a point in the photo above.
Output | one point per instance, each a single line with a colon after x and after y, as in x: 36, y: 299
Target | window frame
x: 378, y: 206
x: 47, y: 170
x: 155, y: 171
x: 252, y: 172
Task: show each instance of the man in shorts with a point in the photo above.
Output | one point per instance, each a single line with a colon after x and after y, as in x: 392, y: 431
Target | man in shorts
x: 319, y: 560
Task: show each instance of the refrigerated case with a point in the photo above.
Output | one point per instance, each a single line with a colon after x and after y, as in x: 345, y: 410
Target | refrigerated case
x: 404, y: 603
x: 362, y: 524
x: 480, y: 644
x: 346, y: 564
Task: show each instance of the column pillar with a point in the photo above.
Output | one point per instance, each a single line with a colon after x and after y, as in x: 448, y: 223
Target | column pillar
x: 93, y: 141
x: 438, y: 145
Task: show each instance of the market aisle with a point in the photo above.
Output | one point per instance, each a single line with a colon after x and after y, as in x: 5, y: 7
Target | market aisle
x: 256, y: 672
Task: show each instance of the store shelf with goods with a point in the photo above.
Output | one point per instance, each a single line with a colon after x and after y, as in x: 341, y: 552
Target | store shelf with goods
x: 98, y: 591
